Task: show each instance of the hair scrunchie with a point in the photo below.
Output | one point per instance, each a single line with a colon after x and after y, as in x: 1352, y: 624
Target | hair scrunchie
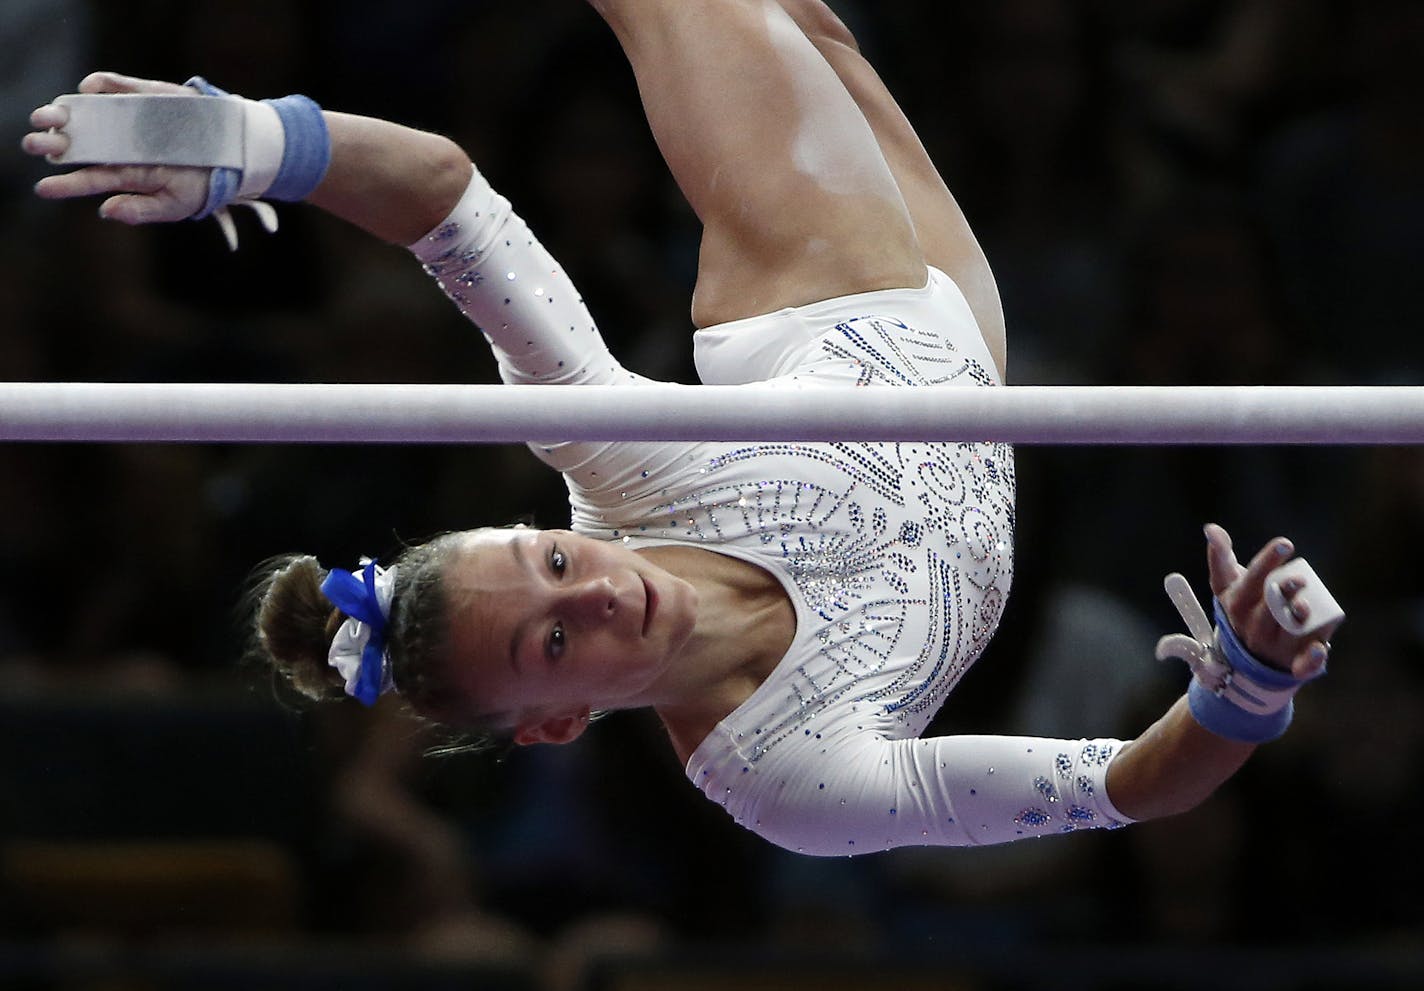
x: 358, y: 651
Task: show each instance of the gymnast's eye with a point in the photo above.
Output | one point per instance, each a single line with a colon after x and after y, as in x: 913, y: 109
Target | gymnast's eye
x: 557, y: 641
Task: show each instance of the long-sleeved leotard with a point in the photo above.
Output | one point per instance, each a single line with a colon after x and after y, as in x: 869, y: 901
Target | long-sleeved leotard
x: 896, y: 557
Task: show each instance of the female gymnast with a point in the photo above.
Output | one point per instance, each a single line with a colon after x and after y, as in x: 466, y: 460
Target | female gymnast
x: 794, y: 613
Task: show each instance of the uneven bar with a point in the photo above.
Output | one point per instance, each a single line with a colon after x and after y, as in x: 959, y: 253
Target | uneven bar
x: 480, y: 414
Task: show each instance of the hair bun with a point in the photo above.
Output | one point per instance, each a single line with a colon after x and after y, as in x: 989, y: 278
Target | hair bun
x: 295, y: 623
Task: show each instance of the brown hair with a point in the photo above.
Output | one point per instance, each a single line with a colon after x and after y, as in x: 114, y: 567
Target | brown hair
x: 293, y: 625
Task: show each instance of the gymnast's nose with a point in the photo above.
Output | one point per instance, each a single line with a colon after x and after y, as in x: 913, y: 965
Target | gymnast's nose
x: 594, y: 601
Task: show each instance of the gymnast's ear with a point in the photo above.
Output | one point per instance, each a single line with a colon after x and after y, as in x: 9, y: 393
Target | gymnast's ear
x: 555, y: 729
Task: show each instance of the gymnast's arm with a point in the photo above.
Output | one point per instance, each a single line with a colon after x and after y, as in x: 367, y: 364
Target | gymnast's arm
x: 1172, y: 767
x: 842, y: 792
x: 420, y: 190
x: 407, y: 187
x: 392, y: 181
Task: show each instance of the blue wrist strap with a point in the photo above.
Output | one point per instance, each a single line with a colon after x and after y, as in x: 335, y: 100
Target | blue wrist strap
x: 222, y: 183
x: 1224, y: 718
x: 1218, y: 714
x: 305, y: 155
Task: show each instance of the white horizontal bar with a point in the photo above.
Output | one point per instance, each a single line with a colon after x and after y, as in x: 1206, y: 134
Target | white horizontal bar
x: 458, y: 414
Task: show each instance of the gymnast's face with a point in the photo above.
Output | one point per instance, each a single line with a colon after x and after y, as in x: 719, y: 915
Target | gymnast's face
x: 547, y: 625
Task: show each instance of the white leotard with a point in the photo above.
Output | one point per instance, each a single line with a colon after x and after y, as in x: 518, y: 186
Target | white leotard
x: 896, y: 557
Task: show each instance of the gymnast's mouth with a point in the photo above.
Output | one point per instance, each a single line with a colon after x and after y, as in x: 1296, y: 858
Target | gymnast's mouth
x: 650, y: 605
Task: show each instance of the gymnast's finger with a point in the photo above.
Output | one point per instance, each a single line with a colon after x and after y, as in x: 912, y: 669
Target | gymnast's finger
x: 1322, y: 636
x: 1290, y: 590
x: 49, y: 115
x: 1310, y: 660
x: 97, y: 179
x: 1220, y: 559
x: 138, y: 208
x: 117, y: 82
x: 44, y: 143
x: 1252, y: 583
x: 47, y: 138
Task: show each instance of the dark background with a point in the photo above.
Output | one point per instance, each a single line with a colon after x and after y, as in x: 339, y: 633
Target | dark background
x: 1170, y: 191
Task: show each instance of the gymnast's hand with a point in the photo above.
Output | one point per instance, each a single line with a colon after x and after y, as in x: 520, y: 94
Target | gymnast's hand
x: 145, y: 194
x: 1241, y: 590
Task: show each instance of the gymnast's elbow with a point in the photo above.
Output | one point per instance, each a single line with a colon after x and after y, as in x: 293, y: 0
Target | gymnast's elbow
x: 801, y: 838
x: 445, y: 169
x: 803, y: 825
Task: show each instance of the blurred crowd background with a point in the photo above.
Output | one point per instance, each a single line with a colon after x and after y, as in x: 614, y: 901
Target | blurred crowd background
x: 1170, y: 191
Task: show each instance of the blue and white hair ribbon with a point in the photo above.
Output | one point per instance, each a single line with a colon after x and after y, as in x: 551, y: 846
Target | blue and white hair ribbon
x: 358, y: 651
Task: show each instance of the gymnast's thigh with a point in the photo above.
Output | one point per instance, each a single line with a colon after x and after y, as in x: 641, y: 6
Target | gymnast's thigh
x: 943, y: 232
x: 796, y: 198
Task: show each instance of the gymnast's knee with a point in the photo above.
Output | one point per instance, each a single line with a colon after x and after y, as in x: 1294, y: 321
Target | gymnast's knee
x: 625, y: 9
x: 820, y: 23
x: 813, y: 16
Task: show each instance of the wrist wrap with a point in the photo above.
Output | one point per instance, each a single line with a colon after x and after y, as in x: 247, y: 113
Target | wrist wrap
x: 300, y: 148
x: 1251, y: 702
x: 1232, y: 694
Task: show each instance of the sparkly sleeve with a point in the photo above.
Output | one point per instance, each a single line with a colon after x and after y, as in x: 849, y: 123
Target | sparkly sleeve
x: 868, y: 793
x: 491, y: 265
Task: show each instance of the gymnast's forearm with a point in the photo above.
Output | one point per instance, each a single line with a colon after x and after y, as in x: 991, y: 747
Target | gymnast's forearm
x: 1172, y: 767
x: 390, y: 180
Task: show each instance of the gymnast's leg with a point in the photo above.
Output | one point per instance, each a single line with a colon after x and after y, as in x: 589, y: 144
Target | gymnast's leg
x: 796, y: 198
x: 943, y: 232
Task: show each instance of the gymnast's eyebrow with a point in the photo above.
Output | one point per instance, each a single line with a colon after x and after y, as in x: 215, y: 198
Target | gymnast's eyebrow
x: 522, y: 563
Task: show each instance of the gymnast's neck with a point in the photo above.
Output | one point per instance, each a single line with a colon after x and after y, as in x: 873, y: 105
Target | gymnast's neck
x: 745, y: 625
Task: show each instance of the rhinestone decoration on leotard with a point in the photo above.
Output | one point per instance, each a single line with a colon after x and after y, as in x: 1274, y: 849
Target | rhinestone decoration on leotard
x: 1078, y: 816
x: 921, y: 687
x: 888, y: 352
x: 868, y: 353
x: 899, y: 550
x: 521, y: 275
x: 832, y: 572
x: 1095, y: 754
x: 1033, y: 818
x: 875, y: 466
x: 840, y: 549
